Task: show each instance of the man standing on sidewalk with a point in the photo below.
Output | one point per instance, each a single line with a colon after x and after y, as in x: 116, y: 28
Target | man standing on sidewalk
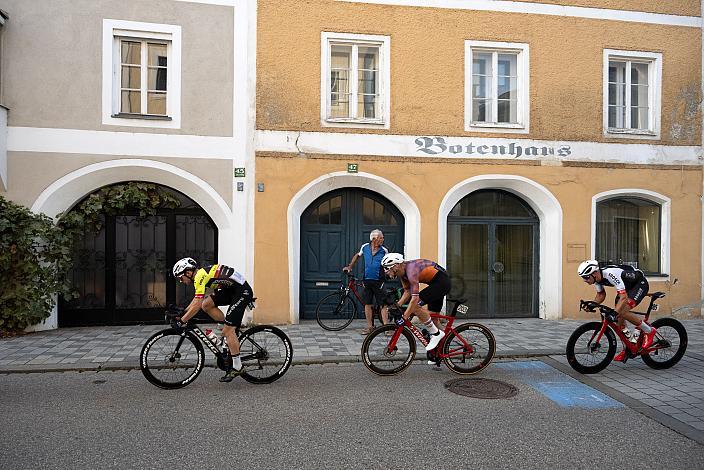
x: 373, y: 253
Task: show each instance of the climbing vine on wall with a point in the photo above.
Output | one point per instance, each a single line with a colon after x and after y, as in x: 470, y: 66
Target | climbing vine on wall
x: 36, y: 253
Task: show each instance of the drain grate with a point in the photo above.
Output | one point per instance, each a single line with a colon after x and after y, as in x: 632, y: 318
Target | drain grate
x: 481, y: 388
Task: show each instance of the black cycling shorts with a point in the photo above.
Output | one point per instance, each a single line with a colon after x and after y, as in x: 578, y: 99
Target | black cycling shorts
x: 635, y: 293
x: 237, y: 297
x: 434, y: 294
x: 373, y: 290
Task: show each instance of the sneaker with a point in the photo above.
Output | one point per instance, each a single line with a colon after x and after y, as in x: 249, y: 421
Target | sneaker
x: 434, y: 364
x: 435, y: 340
x: 231, y: 374
x: 620, y: 357
x: 648, y: 338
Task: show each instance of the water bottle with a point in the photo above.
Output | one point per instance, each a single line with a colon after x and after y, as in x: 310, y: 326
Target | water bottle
x: 630, y: 335
x: 212, y: 336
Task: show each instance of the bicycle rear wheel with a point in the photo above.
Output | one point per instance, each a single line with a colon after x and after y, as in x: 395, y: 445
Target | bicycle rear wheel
x: 469, y: 348
x: 335, y: 311
x: 672, y: 336
x: 266, y: 354
x: 170, y: 361
x: 377, y: 356
x: 587, y: 356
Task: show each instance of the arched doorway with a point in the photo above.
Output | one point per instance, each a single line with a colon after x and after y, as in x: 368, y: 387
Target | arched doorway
x: 492, y: 254
x: 122, y: 272
x: 333, y: 227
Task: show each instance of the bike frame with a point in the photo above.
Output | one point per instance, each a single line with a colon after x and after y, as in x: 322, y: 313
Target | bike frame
x: 352, y: 282
x: 402, y: 322
x: 634, y: 349
x: 214, y: 347
x: 203, y: 338
x: 351, y: 286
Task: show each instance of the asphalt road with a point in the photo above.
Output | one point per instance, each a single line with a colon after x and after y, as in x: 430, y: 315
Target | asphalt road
x: 318, y: 416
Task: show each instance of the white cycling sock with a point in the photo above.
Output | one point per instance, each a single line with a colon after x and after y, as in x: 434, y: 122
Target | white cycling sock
x: 644, y: 327
x: 432, y: 329
x: 236, y: 363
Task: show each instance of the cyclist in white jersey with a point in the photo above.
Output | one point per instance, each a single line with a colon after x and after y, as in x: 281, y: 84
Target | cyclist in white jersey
x: 631, y: 287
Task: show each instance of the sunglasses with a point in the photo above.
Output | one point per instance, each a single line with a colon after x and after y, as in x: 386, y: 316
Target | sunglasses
x: 586, y: 278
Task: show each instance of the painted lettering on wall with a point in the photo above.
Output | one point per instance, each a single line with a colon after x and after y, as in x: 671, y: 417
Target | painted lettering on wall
x: 439, y: 145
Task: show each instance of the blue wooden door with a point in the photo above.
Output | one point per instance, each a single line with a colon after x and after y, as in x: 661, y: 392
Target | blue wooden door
x: 333, y: 228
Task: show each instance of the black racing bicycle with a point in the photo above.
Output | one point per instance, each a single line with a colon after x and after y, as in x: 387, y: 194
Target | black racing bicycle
x: 174, y: 357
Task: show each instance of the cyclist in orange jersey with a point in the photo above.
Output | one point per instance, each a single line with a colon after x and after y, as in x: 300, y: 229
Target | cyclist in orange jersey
x: 420, y: 303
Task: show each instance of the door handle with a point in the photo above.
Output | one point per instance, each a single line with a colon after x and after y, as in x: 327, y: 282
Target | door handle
x: 497, y: 267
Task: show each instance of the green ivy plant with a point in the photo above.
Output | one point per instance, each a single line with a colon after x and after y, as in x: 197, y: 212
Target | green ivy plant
x: 146, y: 198
x: 36, y: 253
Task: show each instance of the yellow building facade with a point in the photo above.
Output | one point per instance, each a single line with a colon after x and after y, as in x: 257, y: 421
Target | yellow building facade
x: 426, y: 154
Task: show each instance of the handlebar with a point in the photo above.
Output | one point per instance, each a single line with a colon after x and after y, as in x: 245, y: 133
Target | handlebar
x: 590, y: 306
x: 170, y: 316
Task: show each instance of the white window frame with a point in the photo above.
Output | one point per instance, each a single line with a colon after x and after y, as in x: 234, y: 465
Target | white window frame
x: 384, y: 43
x: 665, y: 204
x: 113, y: 32
x: 523, y: 83
x: 654, y: 60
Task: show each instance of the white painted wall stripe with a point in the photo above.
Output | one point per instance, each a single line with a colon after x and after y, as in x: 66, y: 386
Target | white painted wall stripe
x: 74, y: 141
x: 546, y: 9
x: 37, y: 139
x: 472, y: 147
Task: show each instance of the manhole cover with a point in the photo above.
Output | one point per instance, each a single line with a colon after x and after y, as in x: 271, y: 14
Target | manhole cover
x: 481, y: 388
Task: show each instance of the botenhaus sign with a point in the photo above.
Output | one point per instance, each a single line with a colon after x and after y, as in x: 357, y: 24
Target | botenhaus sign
x: 441, y: 146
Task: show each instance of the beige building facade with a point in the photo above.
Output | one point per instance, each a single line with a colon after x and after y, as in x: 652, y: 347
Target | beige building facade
x: 508, y: 140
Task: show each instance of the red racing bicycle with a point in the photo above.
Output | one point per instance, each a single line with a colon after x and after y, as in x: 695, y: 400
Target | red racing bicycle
x: 592, y: 346
x: 467, y: 349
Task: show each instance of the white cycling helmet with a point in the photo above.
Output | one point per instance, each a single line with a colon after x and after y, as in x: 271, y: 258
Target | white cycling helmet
x: 588, y: 267
x: 184, y: 265
x: 391, y: 259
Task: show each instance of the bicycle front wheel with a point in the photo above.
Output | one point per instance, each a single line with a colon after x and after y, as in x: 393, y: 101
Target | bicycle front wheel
x: 169, y: 360
x: 383, y: 358
x: 335, y: 311
x: 469, y: 348
x: 671, y: 341
x: 585, y: 354
x: 266, y: 353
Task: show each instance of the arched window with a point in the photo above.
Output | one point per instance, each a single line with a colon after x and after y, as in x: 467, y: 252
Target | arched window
x: 628, y: 232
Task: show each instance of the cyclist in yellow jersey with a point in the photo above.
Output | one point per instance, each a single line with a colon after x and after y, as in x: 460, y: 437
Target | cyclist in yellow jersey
x: 228, y: 288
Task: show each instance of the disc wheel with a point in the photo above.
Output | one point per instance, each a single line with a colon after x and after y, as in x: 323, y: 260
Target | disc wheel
x: 335, y: 311
x: 469, y: 349
x: 266, y: 353
x: 671, y: 340
x: 170, y: 360
x: 584, y: 354
x: 382, y: 359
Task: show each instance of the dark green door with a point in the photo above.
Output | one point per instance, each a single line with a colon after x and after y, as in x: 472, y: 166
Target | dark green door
x: 492, y: 254
x: 333, y: 228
